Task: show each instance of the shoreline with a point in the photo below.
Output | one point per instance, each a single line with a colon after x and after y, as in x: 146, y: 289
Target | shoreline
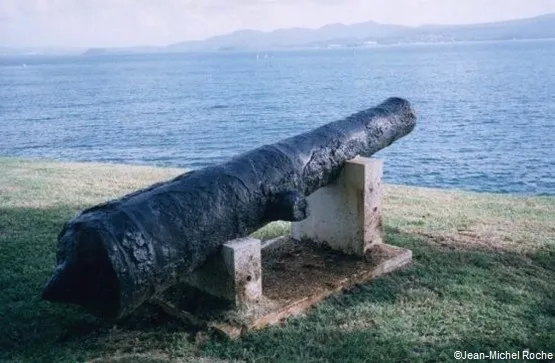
x: 180, y: 170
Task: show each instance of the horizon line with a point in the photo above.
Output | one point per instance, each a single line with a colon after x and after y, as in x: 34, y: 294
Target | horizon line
x: 62, y: 47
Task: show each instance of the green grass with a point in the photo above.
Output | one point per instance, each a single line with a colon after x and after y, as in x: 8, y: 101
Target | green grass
x: 483, y: 279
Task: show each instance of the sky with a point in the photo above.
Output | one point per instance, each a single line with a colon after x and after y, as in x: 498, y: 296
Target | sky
x: 114, y: 23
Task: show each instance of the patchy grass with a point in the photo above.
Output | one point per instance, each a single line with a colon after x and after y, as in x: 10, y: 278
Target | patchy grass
x: 482, y: 279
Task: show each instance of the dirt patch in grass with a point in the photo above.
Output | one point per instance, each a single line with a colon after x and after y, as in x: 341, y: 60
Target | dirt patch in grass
x: 292, y: 270
x: 466, y: 241
x: 490, y: 238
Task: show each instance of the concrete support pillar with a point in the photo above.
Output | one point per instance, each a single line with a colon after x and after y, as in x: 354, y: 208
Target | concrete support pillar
x: 234, y: 274
x: 347, y: 215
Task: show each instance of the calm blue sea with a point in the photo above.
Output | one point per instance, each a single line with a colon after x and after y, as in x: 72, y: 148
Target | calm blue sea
x: 487, y: 110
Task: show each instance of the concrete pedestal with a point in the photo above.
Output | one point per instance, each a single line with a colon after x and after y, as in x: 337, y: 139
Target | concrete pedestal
x: 347, y: 215
x: 235, y: 274
x: 298, y: 272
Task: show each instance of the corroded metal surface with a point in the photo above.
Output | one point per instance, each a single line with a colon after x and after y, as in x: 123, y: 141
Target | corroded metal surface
x: 114, y: 256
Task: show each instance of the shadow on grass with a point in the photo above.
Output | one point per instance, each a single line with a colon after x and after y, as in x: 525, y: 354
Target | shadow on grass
x: 34, y: 330
x: 448, y: 300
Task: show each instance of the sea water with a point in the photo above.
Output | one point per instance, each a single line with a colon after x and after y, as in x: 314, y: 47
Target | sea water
x: 486, y: 110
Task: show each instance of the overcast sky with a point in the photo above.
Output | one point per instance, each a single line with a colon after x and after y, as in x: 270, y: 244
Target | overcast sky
x: 105, y: 23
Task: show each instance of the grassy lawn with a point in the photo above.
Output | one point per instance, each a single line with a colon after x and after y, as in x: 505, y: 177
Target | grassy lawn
x: 483, y: 279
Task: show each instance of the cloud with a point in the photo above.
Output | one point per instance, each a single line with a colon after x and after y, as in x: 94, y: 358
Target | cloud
x: 89, y: 23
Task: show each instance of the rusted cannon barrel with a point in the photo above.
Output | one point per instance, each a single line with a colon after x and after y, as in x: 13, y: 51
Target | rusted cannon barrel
x: 116, y: 255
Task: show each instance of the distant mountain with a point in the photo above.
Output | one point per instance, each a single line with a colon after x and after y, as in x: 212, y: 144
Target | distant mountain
x: 294, y: 37
x: 370, y: 33
x: 92, y: 52
x: 540, y: 27
x: 7, y: 51
x: 37, y: 51
x: 334, y: 36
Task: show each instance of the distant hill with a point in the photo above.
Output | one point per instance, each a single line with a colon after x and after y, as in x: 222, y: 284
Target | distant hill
x: 95, y: 51
x: 334, y: 36
x: 294, y: 37
x: 540, y: 27
x: 92, y: 52
x: 13, y: 51
x: 7, y: 50
x: 369, y: 33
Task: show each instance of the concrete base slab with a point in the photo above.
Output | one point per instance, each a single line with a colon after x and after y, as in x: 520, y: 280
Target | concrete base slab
x: 295, y: 277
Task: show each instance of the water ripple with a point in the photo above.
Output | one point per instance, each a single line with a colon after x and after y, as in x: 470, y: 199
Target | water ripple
x: 486, y: 111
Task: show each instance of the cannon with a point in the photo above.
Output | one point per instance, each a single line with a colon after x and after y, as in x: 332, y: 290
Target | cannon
x: 115, y: 256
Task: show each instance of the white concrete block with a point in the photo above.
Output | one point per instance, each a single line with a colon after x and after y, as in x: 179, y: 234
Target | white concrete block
x: 234, y: 274
x: 347, y: 215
